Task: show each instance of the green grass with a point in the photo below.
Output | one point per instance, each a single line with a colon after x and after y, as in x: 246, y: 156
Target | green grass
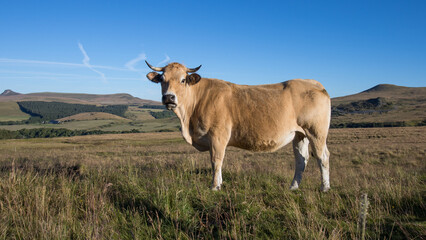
x: 140, y: 114
x: 141, y: 120
x: 9, y: 111
x: 153, y: 125
x: 154, y: 185
x: 73, y: 125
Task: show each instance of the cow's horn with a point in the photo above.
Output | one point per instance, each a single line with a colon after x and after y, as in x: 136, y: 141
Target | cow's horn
x: 158, y: 69
x: 191, y: 70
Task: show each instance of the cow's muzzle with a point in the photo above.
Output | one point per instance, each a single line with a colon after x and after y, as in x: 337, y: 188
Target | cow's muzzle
x: 170, y: 101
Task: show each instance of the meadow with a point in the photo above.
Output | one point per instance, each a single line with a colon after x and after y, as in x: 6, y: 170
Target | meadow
x: 136, y: 119
x: 156, y: 186
x: 9, y: 111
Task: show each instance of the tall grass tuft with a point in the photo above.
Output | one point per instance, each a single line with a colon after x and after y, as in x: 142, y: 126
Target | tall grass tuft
x: 363, y: 216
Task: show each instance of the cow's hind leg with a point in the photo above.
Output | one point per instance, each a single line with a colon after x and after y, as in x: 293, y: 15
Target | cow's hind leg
x: 321, y: 153
x: 301, y: 155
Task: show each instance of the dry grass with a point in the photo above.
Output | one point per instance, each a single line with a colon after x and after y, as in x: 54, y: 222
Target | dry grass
x: 154, y: 185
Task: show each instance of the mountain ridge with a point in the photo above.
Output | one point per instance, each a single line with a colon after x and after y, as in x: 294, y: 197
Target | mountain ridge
x: 81, y: 98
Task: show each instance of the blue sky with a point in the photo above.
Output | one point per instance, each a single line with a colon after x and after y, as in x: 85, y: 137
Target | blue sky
x: 99, y: 46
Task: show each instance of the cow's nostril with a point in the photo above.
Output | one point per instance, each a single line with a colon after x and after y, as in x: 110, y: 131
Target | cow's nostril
x: 169, y: 98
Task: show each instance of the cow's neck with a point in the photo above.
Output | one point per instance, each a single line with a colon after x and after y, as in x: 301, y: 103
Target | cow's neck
x: 184, y: 117
x: 185, y: 111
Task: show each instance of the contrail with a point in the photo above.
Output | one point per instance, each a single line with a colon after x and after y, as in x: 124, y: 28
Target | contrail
x: 132, y: 63
x: 26, y: 61
x: 164, y: 61
x: 86, y: 60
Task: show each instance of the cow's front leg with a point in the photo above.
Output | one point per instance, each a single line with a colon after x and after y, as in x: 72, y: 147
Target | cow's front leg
x: 217, y: 153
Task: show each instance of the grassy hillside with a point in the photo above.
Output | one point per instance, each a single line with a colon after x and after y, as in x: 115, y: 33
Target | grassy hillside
x: 136, y: 119
x: 155, y: 186
x: 382, y: 103
x: 101, y: 99
x: 91, y: 116
x: 46, y: 111
x: 9, y: 111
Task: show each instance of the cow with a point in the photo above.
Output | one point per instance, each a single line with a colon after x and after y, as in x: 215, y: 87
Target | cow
x: 215, y: 114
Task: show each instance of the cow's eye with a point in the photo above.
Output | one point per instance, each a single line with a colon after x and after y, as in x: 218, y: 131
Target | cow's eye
x: 183, y: 80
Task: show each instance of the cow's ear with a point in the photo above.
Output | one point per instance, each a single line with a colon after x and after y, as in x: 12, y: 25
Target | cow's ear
x: 154, y: 77
x: 193, y: 79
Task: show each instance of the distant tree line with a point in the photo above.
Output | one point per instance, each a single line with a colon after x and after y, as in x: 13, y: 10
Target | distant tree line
x: 162, y: 114
x: 53, y: 132
x: 46, y: 111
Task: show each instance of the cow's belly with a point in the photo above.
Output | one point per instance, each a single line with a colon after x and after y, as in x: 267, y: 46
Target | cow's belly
x: 200, y: 145
x: 200, y: 141
x: 262, y: 143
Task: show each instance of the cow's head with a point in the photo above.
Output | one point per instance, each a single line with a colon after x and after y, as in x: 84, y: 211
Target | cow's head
x: 175, y: 81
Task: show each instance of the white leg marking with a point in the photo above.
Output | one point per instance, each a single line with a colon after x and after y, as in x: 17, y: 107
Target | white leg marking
x: 217, y: 154
x: 301, y: 154
x: 323, y: 162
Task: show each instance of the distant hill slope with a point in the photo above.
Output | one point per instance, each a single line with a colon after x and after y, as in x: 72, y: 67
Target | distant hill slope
x: 379, y: 104
x: 92, y: 116
x: 100, y: 99
x: 386, y: 91
x: 10, y: 111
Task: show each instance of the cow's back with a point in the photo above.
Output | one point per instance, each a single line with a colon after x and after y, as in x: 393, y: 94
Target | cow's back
x: 263, y: 115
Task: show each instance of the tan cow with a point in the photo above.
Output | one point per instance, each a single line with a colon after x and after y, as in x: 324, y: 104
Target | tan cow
x: 215, y: 114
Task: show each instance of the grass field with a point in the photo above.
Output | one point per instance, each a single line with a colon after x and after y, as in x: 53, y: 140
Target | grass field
x: 92, y: 116
x: 141, y: 114
x: 154, y: 185
x: 9, y: 111
x: 153, y: 125
x: 137, y: 118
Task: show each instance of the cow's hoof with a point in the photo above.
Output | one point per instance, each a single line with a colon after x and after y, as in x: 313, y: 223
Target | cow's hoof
x: 294, y: 185
x: 325, y: 189
x: 217, y: 188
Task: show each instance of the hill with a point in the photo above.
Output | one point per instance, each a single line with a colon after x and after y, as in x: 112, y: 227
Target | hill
x: 386, y: 91
x: 92, y: 116
x: 10, y: 111
x: 98, y: 99
x: 46, y: 111
x: 384, y: 103
x: 9, y: 92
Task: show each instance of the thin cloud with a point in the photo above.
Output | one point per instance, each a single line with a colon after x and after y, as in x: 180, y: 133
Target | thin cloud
x: 26, y: 61
x: 9, y: 60
x: 73, y: 78
x: 132, y: 63
x: 44, y: 74
x: 167, y: 59
x: 86, y: 60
